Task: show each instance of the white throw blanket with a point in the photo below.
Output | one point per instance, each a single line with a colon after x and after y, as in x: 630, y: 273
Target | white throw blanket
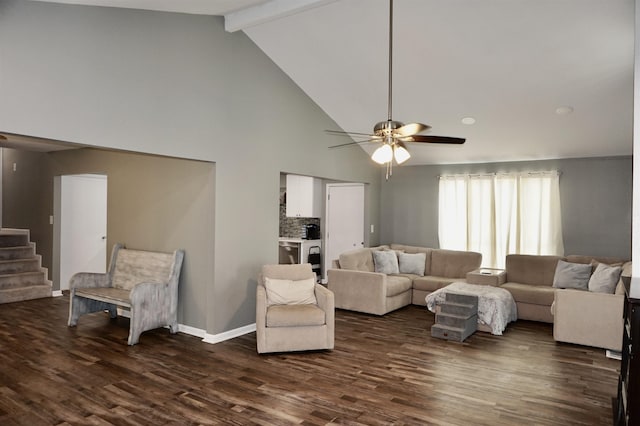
x: 496, y: 307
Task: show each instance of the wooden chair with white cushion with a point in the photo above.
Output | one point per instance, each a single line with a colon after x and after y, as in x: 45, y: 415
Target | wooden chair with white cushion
x: 293, y: 312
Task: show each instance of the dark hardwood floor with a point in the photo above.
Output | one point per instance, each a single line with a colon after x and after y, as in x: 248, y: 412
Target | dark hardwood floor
x: 384, y: 370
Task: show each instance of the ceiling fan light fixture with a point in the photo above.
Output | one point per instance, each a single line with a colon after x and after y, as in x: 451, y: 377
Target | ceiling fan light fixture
x: 401, y: 154
x: 383, y: 154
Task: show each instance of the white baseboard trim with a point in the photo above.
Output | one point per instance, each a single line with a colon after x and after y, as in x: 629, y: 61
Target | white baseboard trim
x: 56, y: 293
x: 202, y: 334
x: 192, y: 331
x: 237, y: 332
x: 614, y: 354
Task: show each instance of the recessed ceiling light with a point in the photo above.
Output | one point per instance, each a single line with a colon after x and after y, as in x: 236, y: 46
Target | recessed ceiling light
x: 564, y: 110
x: 468, y: 121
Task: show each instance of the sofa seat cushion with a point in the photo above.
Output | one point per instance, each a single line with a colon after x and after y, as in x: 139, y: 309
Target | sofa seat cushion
x: 294, y: 315
x: 431, y: 283
x: 397, y: 284
x: 533, y: 294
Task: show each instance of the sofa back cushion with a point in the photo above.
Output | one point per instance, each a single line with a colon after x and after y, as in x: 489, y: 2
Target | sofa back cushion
x: 574, y: 258
x: 414, y: 250
x: 357, y: 260
x: 453, y: 263
x: 531, y: 269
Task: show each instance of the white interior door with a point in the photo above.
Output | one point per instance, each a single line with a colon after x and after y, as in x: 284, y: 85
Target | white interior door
x: 83, y: 225
x: 344, y: 225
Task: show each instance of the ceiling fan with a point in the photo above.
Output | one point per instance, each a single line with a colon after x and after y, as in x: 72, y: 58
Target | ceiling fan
x: 394, y: 134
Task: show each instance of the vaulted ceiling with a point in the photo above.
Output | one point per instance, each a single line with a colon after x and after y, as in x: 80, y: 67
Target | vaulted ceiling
x: 542, y: 78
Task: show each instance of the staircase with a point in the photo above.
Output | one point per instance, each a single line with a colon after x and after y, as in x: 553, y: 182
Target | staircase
x: 457, y: 318
x: 22, y: 276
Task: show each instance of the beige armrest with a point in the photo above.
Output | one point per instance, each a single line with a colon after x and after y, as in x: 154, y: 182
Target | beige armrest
x: 358, y: 290
x: 326, y: 302
x: 587, y: 318
x: 261, y: 306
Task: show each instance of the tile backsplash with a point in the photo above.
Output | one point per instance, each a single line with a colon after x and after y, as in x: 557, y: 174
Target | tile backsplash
x: 291, y: 227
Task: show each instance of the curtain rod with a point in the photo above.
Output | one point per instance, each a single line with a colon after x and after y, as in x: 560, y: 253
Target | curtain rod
x: 472, y: 175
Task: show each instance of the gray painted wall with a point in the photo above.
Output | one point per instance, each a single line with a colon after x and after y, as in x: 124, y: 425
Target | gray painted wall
x: 595, y: 195
x: 177, y: 85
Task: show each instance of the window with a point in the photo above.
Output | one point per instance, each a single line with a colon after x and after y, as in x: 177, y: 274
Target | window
x: 501, y: 214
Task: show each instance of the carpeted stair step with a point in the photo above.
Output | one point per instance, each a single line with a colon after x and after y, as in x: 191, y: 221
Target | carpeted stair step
x: 467, y: 299
x: 23, y: 279
x: 457, y: 321
x: 11, y: 295
x: 462, y: 309
x: 447, y: 332
x: 20, y: 265
x: 20, y: 252
x: 14, y: 239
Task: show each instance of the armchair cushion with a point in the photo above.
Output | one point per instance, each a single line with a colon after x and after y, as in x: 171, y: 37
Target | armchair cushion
x: 290, y: 292
x: 294, y: 315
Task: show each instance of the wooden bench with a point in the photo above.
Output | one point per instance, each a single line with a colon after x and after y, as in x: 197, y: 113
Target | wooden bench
x: 144, y: 282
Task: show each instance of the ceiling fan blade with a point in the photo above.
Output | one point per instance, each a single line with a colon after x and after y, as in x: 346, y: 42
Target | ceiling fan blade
x: 354, y: 143
x: 434, y: 139
x: 341, y: 133
x: 411, y: 129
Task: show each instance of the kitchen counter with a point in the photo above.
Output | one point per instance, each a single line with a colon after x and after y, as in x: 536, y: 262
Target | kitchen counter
x: 292, y: 240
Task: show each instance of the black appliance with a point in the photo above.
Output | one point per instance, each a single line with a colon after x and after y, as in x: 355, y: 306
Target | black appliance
x: 314, y: 259
x: 311, y: 231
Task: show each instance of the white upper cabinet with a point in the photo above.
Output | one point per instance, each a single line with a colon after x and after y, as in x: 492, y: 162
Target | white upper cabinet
x: 304, y: 196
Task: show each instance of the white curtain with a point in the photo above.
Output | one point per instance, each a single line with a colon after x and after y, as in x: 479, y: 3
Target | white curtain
x: 500, y: 214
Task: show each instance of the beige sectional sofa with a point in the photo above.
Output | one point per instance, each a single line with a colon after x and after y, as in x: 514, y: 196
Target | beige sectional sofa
x: 579, y: 316
x: 358, y: 287
x: 529, y: 279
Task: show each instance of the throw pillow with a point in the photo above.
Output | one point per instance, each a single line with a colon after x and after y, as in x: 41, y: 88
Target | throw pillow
x: 605, y: 278
x: 572, y: 275
x: 386, y: 262
x: 412, y: 263
x: 289, y: 292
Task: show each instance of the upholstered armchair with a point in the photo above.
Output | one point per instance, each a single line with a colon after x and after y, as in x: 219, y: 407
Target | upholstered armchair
x: 293, y: 312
